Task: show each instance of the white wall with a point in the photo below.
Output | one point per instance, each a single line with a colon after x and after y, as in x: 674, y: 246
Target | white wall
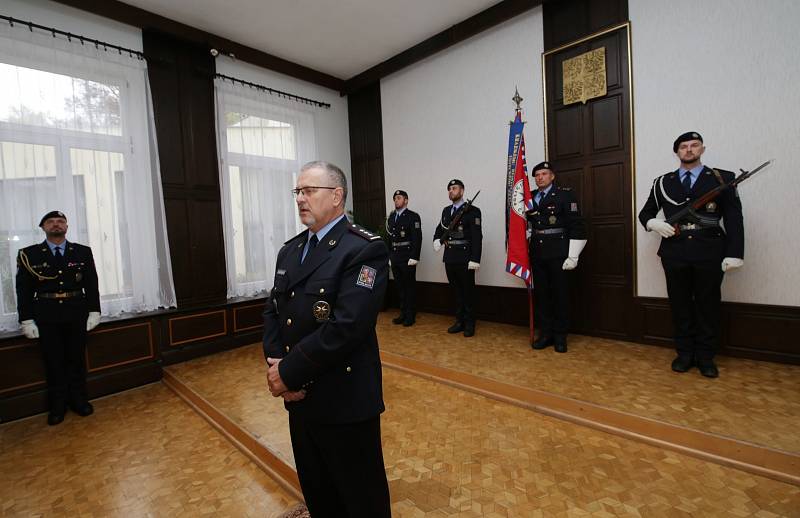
x: 73, y: 20
x: 332, y: 130
x: 730, y: 70
x: 447, y: 117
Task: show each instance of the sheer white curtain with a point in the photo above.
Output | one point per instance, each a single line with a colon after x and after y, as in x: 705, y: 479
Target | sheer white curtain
x: 77, y: 135
x: 263, y: 141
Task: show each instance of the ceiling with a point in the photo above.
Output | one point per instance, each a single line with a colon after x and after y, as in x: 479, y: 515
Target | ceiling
x: 339, y: 37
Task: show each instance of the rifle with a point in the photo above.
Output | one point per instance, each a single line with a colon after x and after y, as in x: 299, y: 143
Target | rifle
x: 689, y: 211
x: 457, y: 218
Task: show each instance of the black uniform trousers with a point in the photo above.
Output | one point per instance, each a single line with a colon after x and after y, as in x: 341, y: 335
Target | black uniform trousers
x: 406, y: 279
x: 551, y: 297
x: 694, y: 294
x: 462, y: 282
x: 340, y: 467
x: 63, y: 350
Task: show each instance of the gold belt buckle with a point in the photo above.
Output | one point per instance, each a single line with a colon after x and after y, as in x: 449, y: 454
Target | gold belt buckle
x: 60, y: 295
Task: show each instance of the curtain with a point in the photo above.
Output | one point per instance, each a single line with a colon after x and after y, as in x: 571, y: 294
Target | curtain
x: 262, y: 142
x: 77, y: 135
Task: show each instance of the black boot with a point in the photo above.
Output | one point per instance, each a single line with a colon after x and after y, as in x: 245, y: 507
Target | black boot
x: 456, y: 328
x: 398, y: 319
x: 560, y: 344
x: 469, y: 329
x: 543, y: 342
x: 682, y: 363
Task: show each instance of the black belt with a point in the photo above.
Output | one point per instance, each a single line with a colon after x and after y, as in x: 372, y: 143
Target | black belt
x: 401, y: 243
x: 550, y: 231
x: 62, y: 295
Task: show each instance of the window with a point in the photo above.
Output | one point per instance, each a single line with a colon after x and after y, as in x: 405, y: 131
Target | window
x: 262, y: 145
x: 75, y: 136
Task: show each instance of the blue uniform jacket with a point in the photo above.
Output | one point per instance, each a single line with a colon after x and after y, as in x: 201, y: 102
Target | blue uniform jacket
x: 320, y: 319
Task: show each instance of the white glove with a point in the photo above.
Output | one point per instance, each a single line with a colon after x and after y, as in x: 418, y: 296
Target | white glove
x: 575, y: 249
x: 528, y: 233
x: 390, y: 263
x: 731, y: 263
x: 93, y: 320
x: 437, y: 245
x: 29, y: 329
x: 570, y: 263
x: 472, y: 265
x: 661, y: 227
x: 412, y: 262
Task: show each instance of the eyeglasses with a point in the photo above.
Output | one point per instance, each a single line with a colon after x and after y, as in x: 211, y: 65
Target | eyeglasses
x: 309, y: 190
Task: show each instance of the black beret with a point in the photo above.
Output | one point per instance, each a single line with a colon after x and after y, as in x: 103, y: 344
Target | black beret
x: 541, y: 165
x: 689, y: 135
x: 52, y: 214
x: 400, y: 192
x: 455, y: 181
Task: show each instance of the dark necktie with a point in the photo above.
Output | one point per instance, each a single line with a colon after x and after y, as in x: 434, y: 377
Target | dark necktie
x: 541, y: 197
x: 687, y: 182
x: 312, y: 244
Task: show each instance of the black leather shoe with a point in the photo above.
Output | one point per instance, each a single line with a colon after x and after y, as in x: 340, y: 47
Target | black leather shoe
x: 456, y: 328
x: 408, y: 323
x: 708, y: 369
x: 469, y: 330
x: 543, y: 343
x: 682, y: 363
x: 54, y: 418
x: 560, y: 347
x: 82, y: 409
x: 398, y: 319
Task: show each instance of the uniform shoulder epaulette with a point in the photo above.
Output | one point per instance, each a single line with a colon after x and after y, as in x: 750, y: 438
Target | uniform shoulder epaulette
x: 301, y: 234
x: 361, y: 231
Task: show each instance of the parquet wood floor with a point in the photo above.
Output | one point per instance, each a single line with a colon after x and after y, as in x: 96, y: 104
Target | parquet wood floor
x: 144, y: 453
x: 753, y: 401
x: 454, y: 453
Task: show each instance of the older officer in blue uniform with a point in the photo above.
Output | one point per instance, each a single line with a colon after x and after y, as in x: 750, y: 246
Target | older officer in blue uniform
x: 558, y: 235
x: 405, y: 231
x: 462, y: 255
x: 58, y: 302
x: 322, y: 350
x: 695, y: 258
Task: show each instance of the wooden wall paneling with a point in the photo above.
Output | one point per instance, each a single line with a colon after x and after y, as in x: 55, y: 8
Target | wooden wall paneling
x: 248, y: 317
x: 197, y: 327
x: 21, y: 366
x: 366, y: 156
x: 181, y: 81
x: 113, y: 346
x: 570, y: 20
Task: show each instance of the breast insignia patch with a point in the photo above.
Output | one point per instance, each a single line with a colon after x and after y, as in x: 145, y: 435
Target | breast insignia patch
x: 366, y: 277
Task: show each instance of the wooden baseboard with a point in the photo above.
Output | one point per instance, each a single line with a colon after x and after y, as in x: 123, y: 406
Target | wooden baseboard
x: 752, y: 331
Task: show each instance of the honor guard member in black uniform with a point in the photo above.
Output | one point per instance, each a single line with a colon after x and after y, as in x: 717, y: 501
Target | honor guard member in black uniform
x: 405, y: 230
x: 695, y: 258
x: 462, y: 255
x: 322, y: 350
x: 558, y: 235
x: 58, y: 302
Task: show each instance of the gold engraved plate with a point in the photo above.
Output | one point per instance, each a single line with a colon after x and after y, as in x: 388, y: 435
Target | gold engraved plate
x: 584, y: 76
x: 552, y: 220
x: 321, y: 310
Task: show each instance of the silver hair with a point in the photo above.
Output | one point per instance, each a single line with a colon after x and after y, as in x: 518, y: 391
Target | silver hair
x: 335, y: 175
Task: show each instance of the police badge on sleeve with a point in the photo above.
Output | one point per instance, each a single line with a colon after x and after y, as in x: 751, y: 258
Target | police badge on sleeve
x: 366, y: 277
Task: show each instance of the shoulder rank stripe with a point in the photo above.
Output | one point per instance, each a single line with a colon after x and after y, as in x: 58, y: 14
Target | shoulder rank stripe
x: 362, y: 232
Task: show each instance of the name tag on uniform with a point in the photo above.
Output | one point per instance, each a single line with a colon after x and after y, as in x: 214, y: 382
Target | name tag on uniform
x: 366, y: 277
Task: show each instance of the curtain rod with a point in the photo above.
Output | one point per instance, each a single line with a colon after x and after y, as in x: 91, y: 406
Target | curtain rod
x: 83, y: 39
x: 272, y: 91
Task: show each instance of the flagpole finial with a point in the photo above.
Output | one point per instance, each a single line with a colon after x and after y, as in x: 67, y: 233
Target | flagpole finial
x: 517, y: 99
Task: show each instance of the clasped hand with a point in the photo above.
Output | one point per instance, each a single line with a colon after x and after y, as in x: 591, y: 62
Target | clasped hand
x: 276, y: 385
